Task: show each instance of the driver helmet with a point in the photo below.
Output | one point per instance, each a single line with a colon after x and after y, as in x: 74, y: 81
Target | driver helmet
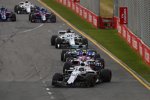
x: 82, y: 64
x: 68, y: 30
x: 2, y: 8
x: 42, y: 9
x: 26, y: 1
x: 84, y: 54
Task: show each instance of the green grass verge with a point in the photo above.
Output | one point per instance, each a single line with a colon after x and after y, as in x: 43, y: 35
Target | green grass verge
x: 108, y: 38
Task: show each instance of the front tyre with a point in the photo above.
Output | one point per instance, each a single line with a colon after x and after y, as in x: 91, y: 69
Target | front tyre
x: 105, y: 75
x: 90, y: 80
x: 57, y: 77
x: 53, y: 38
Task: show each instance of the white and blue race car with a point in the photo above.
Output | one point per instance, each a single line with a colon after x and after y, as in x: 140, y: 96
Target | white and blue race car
x: 6, y: 15
x: 81, y: 76
x: 68, y: 39
x: 41, y: 14
x: 24, y: 7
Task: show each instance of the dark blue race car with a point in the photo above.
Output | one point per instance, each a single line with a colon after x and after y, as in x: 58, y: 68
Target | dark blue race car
x: 6, y: 15
x: 74, y: 53
x: 41, y: 15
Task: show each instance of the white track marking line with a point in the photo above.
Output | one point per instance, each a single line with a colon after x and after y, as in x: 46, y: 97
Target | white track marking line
x: 135, y: 75
x: 29, y: 30
x: 38, y: 72
x: 50, y: 93
x: 52, y: 97
x: 47, y: 89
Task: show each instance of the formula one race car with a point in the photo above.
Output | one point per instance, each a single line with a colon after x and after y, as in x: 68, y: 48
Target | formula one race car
x: 24, y: 7
x: 41, y: 15
x: 6, y: 15
x: 95, y: 64
x: 78, y: 52
x: 81, y: 76
x: 68, y: 39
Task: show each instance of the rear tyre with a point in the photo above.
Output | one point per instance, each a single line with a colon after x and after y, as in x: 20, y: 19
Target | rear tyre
x: 32, y: 18
x: 53, y: 18
x: 13, y: 17
x: 102, y: 63
x: 63, y: 54
x: 66, y: 67
x: 85, y: 42
x: 66, y: 56
x: 97, y: 56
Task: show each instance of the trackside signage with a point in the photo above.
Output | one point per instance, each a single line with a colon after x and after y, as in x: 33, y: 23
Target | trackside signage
x: 123, y: 12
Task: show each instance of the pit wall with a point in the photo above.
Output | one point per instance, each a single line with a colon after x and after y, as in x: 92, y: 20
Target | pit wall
x: 134, y: 42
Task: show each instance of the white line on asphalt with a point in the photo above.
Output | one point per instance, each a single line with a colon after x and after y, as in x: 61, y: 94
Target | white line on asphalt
x: 29, y: 30
x: 52, y: 97
x: 38, y: 72
x: 47, y: 89
x: 50, y: 93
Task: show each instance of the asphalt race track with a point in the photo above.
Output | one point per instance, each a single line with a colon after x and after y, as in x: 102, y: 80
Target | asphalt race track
x: 28, y: 61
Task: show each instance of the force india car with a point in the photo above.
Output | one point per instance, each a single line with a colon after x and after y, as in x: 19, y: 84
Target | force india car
x: 81, y: 76
x: 78, y: 52
x: 41, y: 15
x: 6, y: 15
x: 24, y: 8
x: 68, y: 39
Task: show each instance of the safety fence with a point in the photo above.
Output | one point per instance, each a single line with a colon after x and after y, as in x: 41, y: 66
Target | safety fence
x: 83, y: 12
x: 135, y: 42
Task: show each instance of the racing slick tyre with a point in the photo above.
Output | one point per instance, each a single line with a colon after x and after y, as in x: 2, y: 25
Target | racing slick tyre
x: 53, y: 38
x: 90, y: 80
x: 102, y: 66
x: 58, y: 43
x: 57, y: 77
x: 66, y: 56
x: 85, y: 42
x: 63, y: 54
x: 32, y: 18
x: 66, y: 67
x: 53, y: 18
x: 13, y: 17
x: 105, y: 75
x: 97, y: 56
x: 17, y: 9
